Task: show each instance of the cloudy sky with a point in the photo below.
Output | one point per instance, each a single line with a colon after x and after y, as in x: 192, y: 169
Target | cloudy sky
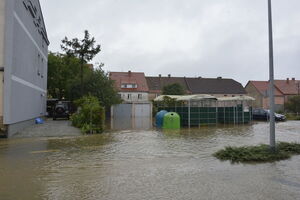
x: 207, y: 38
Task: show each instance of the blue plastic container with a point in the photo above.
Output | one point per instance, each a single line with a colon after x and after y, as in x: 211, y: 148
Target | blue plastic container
x: 159, y: 118
x: 39, y: 120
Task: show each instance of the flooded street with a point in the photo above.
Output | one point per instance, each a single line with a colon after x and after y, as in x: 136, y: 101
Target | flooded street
x: 152, y: 164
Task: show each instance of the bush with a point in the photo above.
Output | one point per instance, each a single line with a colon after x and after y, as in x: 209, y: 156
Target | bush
x: 293, y: 104
x: 260, y: 153
x: 90, y: 116
x: 292, y: 116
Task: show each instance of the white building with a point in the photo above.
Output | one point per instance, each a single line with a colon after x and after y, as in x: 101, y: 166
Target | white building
x: 132, y: 86
x: 23, y: 64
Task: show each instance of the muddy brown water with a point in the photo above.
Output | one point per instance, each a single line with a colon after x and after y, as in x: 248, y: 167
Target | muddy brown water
x: 147, y: 164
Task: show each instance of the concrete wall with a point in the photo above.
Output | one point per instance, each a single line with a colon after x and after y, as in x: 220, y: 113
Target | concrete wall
x: 2, y: 20
x: 25, y: 74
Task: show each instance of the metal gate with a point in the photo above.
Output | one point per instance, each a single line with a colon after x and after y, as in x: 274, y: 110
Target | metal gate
x: 122, y: 111
x: 131, y: 116
x: 141, y: 110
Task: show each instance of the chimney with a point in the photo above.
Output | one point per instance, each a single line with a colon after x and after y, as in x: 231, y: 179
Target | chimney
x: 287, y: 80
x: 199, y: 77
x: 169, y: 75
x: 293, y: 79
x: 159, y: 75
x: 220, y: 77
x: 129, y: 73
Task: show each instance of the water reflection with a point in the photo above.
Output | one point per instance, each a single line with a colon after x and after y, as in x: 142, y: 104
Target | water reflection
x: 128, y: 123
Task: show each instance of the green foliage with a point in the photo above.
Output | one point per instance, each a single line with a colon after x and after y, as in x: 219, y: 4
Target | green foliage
x: 293, y: 104
x: 90, y: 116
x: 98, y: 84
x: 64, y: 81
x: 84, y: 49
x: 291, y: 116
x: 173, y: 89
x: 260, y: 153
x: 63, y: 71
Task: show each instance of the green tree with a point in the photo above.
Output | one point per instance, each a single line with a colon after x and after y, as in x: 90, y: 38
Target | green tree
x: 84, y: 49
x: 293, y: 104
x: 98, y: 84
x: 63, y: 71
x: 64, y: 81
x: 173, y: 89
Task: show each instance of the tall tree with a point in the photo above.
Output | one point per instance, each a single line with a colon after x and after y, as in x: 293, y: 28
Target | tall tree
x: 85, y: 49
x: 173, y: 89
x: 64, y: 76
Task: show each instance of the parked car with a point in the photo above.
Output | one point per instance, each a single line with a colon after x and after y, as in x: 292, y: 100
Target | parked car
x: 61, y: 110
x: 263, y: 114
x: 50, y: 106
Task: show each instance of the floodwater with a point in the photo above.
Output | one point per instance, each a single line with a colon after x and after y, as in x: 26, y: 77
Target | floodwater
x: 147, y: 164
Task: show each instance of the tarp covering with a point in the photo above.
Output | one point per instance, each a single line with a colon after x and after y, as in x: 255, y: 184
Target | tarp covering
x: 197, y: 97
x: 236, y: 98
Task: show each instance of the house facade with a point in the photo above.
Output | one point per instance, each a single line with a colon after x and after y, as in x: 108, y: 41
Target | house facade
x: 23, y: 64
x: 283, y: 90
x: 132, y: 86
x: 218, y: 87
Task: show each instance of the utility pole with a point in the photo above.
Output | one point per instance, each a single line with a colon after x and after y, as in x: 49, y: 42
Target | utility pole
x: 271, y: 84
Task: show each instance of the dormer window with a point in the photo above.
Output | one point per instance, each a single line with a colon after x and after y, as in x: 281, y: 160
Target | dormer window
x: 129, y: 85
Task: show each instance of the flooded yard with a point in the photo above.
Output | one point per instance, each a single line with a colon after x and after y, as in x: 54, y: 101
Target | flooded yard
x: 147, y: 164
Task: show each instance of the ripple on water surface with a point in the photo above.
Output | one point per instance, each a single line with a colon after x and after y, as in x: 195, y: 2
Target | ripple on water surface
x: 148, y: 164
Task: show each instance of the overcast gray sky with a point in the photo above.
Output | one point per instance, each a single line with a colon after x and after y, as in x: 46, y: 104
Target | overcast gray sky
x: 207, y: 38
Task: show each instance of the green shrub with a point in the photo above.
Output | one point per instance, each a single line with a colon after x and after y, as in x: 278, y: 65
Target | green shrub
x: 260, y: 153
x: 291, y: 116
x: 90, y: 116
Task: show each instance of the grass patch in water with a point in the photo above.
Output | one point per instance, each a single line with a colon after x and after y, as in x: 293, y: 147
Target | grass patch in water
x: 259, y: 153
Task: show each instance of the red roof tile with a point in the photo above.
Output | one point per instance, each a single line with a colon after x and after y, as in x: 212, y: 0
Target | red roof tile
x: 263, y: 86
x: 288, y: 87
x: 130, y: 78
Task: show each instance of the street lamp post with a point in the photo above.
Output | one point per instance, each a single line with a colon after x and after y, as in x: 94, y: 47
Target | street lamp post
x: 271, y: 84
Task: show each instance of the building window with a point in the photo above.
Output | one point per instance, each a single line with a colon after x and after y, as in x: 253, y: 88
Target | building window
x: 140, y: 96
x: 128, y: 85
x: 129, y: 96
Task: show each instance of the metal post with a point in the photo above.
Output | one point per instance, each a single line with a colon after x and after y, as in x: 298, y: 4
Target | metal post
x: 271, y: 73
x: 243, y: 114
x: 189, y: 114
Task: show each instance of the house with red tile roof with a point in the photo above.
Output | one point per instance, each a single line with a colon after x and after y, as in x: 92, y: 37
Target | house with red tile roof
x: 131, y: 86
x: 283, y: 90
x: 218, y: 87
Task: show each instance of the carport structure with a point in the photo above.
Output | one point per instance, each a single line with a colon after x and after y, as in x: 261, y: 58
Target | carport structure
x: 201, y: 110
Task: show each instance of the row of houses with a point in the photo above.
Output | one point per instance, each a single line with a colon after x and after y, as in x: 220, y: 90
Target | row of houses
x: 283, y: 90
x: 136, y: 87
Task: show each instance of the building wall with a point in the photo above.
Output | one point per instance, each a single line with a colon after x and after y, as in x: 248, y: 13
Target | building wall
x: 227, y: 95
x: 134, y: 96
x: 152, y: 96
x: 279, y: 103
x: 2, y: 20
x: 252, y: 92
x: 25, y: 74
